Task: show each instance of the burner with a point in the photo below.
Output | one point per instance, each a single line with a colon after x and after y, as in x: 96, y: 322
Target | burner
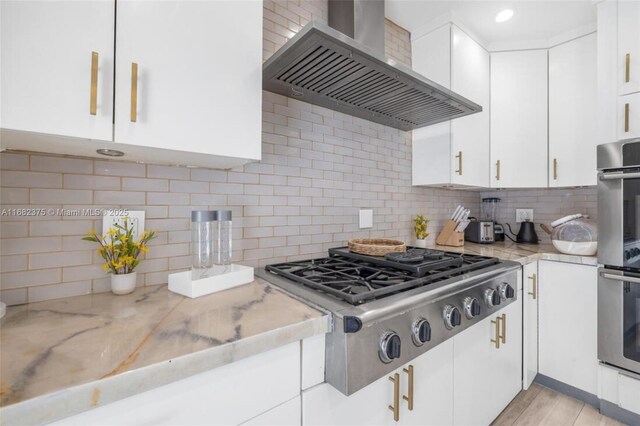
x: 406, y: 257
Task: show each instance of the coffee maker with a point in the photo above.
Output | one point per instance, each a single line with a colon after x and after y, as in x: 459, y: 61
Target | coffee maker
x: 490, y: 210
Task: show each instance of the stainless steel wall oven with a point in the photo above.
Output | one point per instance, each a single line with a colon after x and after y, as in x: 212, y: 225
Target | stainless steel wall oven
x: 619, y: 254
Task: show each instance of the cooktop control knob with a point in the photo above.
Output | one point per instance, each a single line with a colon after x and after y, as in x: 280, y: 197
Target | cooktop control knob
x: 390, y: 346
x: 451, y: 316
x: 420, y: 331
x: 471, y: 307
x: 491, y: 297
x: 506, y: 291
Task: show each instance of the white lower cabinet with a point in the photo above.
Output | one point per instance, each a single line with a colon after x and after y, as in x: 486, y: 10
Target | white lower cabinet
x: 432, y: 392
x: 228, y: 395
x: 487, y: 375
x: 629, y: 116
x: 567, y: 334
x: 619, y: 388
x: 530, y: 323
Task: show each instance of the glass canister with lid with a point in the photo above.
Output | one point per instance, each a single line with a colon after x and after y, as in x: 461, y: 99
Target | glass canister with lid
x: 576, y: 235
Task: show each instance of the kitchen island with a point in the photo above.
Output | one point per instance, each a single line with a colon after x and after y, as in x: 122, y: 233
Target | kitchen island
x: 65, y: 356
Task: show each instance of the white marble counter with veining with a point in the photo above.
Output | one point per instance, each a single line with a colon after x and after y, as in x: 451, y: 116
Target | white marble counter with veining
x: 64, y: 356
x: 522, y: 253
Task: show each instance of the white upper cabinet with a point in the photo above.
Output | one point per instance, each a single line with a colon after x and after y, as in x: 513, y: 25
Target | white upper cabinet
x: 573, y: 121
x: 199, y: 77
x: 454, y: 152
x: 628, y: 47
x: 519, y: 119
x: 57, y: 67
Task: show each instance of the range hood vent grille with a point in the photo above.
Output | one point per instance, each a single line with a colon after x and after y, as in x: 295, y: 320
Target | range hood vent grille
x: 324, y: 67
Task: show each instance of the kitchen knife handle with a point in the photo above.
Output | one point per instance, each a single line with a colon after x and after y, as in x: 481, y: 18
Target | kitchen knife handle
x: 627, y: 67
x: 498, y: 170
x: 534, y: 287
x: 409, y: 398
x: 134, y: 92
x: 459, y: 157
x: 626, y: 117
x: 93, y: 98
x: 396, y: 397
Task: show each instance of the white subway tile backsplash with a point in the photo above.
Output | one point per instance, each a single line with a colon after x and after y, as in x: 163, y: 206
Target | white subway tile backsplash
x: 30, y: 179
x: 116, y: 168
x: 91, y: 182
x: 30, y: 278
x: 52, y: 228
x: 119, y: 198
x: 56, y: 291
x: 55, y: 260
x: 60, y: 164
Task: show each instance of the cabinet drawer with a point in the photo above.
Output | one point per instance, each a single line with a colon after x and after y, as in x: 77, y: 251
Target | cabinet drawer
x: 226, y: 395
x: 629, y: 116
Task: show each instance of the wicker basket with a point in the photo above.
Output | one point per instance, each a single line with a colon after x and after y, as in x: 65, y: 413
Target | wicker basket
x: 376, y: 246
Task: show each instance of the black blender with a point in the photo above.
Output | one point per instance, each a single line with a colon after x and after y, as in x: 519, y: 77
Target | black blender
x: 490, y: 210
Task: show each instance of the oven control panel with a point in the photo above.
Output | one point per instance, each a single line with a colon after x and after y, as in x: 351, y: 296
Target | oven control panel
x: 631, y: 252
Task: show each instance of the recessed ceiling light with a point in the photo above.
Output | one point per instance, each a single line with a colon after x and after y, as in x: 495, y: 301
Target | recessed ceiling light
x: 505, y: 15
x: 110, y: 152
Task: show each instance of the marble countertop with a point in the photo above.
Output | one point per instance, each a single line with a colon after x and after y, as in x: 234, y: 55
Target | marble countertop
x: 522, y: 253
x: 64, y: 356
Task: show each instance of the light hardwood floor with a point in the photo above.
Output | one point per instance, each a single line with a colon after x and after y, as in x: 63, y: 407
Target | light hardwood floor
x: 541, y: 406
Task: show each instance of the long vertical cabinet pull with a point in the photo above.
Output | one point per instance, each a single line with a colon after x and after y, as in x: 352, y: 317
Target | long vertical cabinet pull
x: 626, y: 117
x: 459, y: 157
x: 555, y: 169
x: 627, y: 67
x: 497, y: 331
x: 534, y: 287
x: 498, y: 170
x: 396, y: 396
x: 503, y: 336
x: 409, y: 398
x: 134, y: 92
x: 93, y: 99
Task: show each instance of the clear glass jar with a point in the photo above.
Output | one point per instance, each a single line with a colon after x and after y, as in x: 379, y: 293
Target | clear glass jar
x: 222, y: 237
x: 202, y: 237
x: 575, y: 235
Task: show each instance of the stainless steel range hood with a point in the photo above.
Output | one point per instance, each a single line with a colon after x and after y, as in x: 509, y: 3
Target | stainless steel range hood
x: 325, y: 67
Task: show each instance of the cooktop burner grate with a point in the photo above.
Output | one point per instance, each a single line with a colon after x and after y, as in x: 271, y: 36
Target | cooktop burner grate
x: 361, y: 278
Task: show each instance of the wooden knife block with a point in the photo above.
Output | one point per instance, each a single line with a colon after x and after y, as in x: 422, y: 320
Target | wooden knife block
x: 449, y: 237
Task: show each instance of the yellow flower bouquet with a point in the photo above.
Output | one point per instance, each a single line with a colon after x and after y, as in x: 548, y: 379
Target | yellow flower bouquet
x: 118, y: 248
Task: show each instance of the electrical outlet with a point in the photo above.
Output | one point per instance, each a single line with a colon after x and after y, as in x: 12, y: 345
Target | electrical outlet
x: 523, y: 215
x: 366, y: 218
x: 135, y: 219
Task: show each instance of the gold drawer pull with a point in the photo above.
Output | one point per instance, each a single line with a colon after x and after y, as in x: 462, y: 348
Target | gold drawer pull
x: 555, y: 169
x: 134, y: 92
x: 459, y: 157
x: 498, y: 170
x: 627, y: 67
x: 409, y: 398
x: 396, y: 396
x: 497, y: 339
x: 93, y: 101
x: 504, y: 328
x: 534, y: 287
x: 626, y: 117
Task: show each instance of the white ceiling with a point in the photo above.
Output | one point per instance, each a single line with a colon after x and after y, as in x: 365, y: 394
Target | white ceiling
x: 534, y: 20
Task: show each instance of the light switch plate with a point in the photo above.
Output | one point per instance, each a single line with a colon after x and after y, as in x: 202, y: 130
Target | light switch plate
x: 134, y: 217
x: 523, y: 215
x: 366, y: 218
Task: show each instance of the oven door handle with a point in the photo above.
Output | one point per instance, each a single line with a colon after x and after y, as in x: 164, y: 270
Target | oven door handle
x: 620, y: 278
x: 613, y: 176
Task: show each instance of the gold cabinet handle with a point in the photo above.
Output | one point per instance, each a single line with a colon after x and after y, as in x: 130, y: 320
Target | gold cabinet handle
x: 396, y: 396
x: 134, y: 92
x: 504, y: 328
x: 555, y: 169
x: 459, y: 157
x: 534, y: 287
x: 627, y: 67
x: 409, y: 398
x: 93, y: 101
x: 626, y: 117
x: 497, y: 331
x: 498, y: 170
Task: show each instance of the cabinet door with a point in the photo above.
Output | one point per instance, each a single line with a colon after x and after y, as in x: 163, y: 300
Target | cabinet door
x: 567, y: 335
x: 230, y: 394
x: 628, y: 47
x: 470, y: 77
x: 432, y: 388
x: 573, y: 122
x: 487, y: 378
x: 324, y: 405
x: 519, y: 119
x: 49, y: 67
x: 199, y: 76
x: 629, y: 116
x: 530, y: 326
